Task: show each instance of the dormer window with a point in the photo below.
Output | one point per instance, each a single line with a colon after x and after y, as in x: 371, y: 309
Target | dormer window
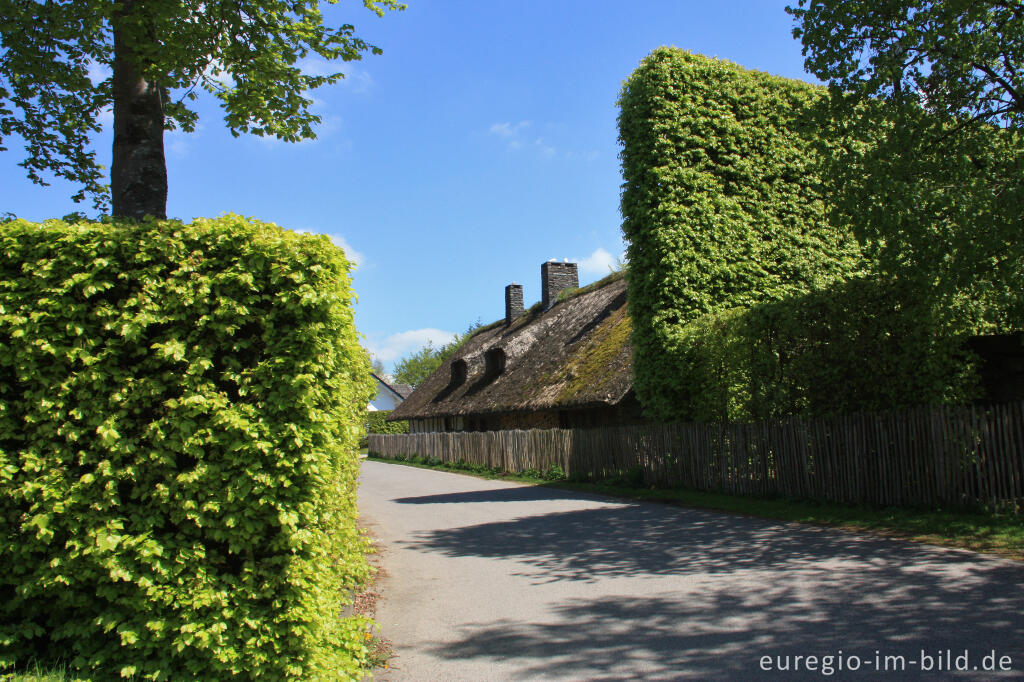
x: 495, y: 362
x: 459, y: 372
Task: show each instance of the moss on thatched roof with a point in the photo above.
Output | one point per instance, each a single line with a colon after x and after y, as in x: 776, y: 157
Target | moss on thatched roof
x: 575, y: 355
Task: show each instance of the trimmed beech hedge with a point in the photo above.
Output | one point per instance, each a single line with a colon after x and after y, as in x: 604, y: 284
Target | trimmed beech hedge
x: 376, y: 422
x: 179, y: 410
x: 721, y: 206
x: 865, y: 344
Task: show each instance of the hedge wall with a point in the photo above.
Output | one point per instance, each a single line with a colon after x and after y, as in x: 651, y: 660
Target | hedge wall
x: 864, y: 344
x: 376, y: 423
x: 721, y: 206
x: 179, y: 408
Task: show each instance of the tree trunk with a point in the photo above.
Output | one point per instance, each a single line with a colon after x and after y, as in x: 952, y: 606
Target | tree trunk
x: 138, y: 174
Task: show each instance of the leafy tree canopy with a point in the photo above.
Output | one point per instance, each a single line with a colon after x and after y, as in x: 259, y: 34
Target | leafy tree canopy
x: 246, y: 53
x: 929, y: 100
x: 960, y: 58
x: 416, y: 367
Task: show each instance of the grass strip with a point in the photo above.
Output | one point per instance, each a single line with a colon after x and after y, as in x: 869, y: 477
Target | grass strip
x: 35, y: 672
x: 1001, y: 534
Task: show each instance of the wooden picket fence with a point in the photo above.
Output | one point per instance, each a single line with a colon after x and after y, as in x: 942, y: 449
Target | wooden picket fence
x: 942, y: 456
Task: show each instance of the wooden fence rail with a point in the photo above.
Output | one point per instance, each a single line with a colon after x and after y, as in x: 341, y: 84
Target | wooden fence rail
x: 942, y: 456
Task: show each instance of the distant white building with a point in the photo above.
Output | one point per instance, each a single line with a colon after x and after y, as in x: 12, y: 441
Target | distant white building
x: 389, y: 396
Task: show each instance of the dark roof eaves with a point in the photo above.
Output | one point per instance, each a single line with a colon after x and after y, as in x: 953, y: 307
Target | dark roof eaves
x: 389, y: 386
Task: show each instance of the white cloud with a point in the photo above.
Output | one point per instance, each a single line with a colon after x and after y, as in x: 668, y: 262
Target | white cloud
x: 317, y: 66
x: 356, y: 257
x: 179, y: 143
x: 546, y: 151
x: 176, y: 143
x: 508, y: 130
x: 598, y: 263
x: 399, y: 345
x: 98, y: 72
x: 360, y: 80
x: 515, y: 136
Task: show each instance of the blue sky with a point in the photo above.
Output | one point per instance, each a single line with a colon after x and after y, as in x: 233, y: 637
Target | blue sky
x: 480, y: 144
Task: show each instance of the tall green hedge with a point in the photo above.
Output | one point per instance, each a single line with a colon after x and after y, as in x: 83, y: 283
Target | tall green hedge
x: 179, y: 408
x: 865, y: 344
x: 721, y: 205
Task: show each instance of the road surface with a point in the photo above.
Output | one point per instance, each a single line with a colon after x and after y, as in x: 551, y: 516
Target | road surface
x: 488, y: 580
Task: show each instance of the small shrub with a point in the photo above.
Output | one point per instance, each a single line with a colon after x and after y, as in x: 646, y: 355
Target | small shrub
x: 634, y: 478
x: 555, y: 473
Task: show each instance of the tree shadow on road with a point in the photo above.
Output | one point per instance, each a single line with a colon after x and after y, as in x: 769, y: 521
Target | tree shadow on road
x: 636, y: 538
x: 745, y: 588
x: 723, y: 635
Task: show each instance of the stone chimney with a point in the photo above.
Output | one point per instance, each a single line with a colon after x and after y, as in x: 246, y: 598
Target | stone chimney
x: 513, y: 302
x: 556, y: 277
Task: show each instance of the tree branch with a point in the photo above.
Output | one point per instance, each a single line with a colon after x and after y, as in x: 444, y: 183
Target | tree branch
x: 1018, y: 104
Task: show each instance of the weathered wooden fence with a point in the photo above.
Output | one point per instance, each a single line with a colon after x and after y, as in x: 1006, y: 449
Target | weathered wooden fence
x: 960, y: 456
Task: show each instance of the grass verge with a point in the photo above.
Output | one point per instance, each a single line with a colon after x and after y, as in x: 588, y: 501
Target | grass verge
x: 1001, y: 534
x: 35, y: 672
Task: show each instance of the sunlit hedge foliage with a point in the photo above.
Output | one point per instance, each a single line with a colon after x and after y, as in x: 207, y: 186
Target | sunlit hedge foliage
x: 179, y: 408
x: 721, y: 206
x: 933, y: 204
x: 376, y: 422
x: 864, y: 344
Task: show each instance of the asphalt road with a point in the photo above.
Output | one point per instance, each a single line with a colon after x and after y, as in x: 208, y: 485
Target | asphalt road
x: 489, y: 580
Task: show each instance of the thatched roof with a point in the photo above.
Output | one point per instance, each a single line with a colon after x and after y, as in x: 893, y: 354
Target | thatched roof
x: 403, y: 390
x: 575, y: 355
